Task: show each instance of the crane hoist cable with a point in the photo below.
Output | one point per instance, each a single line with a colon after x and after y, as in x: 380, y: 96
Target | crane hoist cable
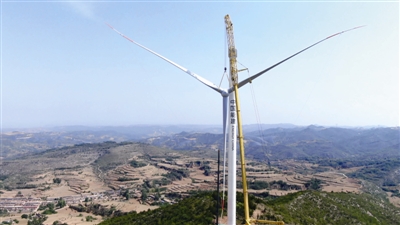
x: 258, y: 119
x: 222, y: 78
x: 225, y: 60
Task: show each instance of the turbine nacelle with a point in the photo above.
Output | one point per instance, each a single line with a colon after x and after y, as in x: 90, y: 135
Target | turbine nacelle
x: 224, y: 93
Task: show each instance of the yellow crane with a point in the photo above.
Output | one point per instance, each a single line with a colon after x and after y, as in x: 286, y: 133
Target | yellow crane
x: 232, y: 53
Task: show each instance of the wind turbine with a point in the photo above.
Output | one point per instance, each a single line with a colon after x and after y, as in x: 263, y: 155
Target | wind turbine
x: 228, y: 101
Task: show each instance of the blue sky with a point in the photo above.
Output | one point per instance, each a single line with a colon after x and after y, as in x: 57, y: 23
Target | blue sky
x: 61, y: 64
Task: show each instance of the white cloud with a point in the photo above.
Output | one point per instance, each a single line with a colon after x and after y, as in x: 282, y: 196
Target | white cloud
x: 85, y: 9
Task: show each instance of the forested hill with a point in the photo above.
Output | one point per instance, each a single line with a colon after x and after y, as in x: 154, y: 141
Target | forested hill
x: 305, y: 207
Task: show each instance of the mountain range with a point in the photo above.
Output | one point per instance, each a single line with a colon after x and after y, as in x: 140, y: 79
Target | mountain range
x: 264, y: 142
x: 296, y: 143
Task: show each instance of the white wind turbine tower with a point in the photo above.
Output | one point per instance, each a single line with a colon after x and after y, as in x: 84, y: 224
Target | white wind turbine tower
x: 230, y: 138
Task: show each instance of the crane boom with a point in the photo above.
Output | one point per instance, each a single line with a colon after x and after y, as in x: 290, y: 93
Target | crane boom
x: 232, y: 53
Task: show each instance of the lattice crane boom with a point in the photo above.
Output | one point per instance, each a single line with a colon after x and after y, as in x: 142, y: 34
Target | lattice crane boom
x: 232, y: 53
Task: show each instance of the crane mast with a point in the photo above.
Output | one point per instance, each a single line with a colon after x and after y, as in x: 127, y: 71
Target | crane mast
x: 232, y: 53
x: 233, y: 82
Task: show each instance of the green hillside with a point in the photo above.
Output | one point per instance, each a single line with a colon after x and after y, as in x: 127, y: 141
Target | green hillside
x: 305, y: 207
x: 195, y: 210
x: 312, y: 207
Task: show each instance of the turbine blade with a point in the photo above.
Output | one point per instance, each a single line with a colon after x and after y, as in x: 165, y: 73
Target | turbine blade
x: 199, y: 78
x: 245, y: 81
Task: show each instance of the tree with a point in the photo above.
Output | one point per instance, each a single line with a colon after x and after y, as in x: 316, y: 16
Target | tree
x: 50, y: 209
x: 90, y: 218
x: 50, y: 206
x: 126, y: 194
x: 37, y: 221
x: 59, y: 223
x: 144, y: 194
x: 4, y: 212
x: 314, y: 184
x: 137, y: 164
x: 61, y: 203
x: 56, y: 180
x: 157, y: 195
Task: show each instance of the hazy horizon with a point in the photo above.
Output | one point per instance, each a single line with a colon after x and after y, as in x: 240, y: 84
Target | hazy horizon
x: 8, y: 129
